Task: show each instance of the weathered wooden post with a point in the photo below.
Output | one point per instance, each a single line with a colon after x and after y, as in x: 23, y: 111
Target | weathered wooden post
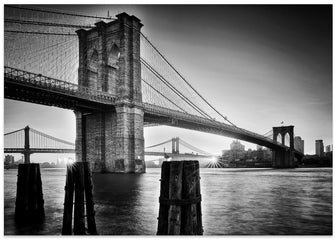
x: 29, y: 205
x: 68, y: 202
x: 78, y: 180
x: 79, y: 198
x: 90, y: 213
x: 180, y: 199
x: 200, y: 229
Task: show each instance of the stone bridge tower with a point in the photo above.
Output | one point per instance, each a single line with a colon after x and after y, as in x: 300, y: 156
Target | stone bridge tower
x: 283, y: 158
x: 109, y: 61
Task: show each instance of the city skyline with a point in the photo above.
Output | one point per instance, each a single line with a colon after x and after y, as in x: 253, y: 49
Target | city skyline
x: 257, y: 65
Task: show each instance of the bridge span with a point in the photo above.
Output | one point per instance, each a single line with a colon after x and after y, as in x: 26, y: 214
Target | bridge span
x: 26, y: 86
x: 28, y: 141
x: 123, y: 84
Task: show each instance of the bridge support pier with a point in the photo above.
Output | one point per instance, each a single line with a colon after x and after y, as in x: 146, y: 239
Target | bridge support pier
x: 109, y: 60
x: 111, y: 141
x: 283, y: 158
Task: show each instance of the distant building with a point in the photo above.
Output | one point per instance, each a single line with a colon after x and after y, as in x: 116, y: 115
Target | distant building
x: 299, y: 144
x: 329, y: 148
x: 319, y: 148
x: 9, y: 159
x: 267, y: 153
x: 237, y: 146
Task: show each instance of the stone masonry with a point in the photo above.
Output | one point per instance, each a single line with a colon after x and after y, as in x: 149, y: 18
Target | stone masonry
x: 109, y: 60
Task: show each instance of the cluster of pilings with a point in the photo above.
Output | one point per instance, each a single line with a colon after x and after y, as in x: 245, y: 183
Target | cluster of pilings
x: 180, y: 198
x: 79, y: 182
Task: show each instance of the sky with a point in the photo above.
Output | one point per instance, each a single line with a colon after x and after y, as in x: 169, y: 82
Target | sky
x: 258, y: 65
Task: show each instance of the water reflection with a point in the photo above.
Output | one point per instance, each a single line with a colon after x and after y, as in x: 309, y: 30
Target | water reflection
x: 130, y: 199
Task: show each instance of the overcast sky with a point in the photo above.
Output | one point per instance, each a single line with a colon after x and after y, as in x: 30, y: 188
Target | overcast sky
x: 257, y: 65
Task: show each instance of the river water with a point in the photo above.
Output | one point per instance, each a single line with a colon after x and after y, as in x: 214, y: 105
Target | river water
x: 234, y: 201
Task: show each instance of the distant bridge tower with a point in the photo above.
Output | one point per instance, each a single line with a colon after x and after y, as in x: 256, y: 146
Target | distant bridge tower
x: 109, y: 60
x: 283, y: 158
x: 175, y: 145
x: 26, y: 151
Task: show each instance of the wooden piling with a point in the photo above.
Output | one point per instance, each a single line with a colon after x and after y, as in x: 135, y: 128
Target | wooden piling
x: 68, y: 202
x: 79, y: 181
x: 79, y: 208
x: 175, y: 187
x: 189, y: 193
x: 180, y: 199
x: 90, y: 213
x: 199, y: 227
x: 29, y: 205
x: 164, y: 193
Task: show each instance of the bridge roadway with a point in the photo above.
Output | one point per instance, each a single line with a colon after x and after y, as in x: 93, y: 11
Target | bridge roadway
x: 30, y: 87
x: 51, y: 150
x: 38, y: 150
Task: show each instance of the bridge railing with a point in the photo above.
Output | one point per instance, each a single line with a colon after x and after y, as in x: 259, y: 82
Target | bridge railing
x: 38, y: 80
x: 197, y: 119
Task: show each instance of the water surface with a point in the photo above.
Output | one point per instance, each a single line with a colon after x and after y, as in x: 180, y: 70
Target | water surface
x: 234, y: 201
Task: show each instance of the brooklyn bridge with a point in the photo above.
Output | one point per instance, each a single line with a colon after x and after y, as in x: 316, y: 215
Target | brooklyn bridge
x: 117, y: 82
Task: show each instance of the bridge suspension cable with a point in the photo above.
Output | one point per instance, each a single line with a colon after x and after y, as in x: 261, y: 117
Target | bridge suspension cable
x: 191, y: 147
x: 58, y: 12
x: 37, y: 140
x: 163, y: 95
x: 14, y: 139
x: 174, y: 89
x: 183, y: 143
x: 44, y: 45
x: 53, y: 140
x: 267, y: 132
x: 43, y: 50
x: 53, y: 54
x: 29, y: 22
x: 145, y: 39
x: 41, y: 33
x: 13, y: 132
x: 159, y: 144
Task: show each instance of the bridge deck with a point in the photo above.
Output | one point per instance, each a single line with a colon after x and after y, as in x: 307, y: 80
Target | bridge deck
x: 22, y: 85
x: 39, y: 150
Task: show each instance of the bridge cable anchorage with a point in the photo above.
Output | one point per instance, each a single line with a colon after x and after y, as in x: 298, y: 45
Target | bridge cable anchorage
x: 59, y: 12
x: 175, y: 90
x: 162, y: 143
x: 186, y: 80
x: 163, y: 95
x: 52, y: 24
